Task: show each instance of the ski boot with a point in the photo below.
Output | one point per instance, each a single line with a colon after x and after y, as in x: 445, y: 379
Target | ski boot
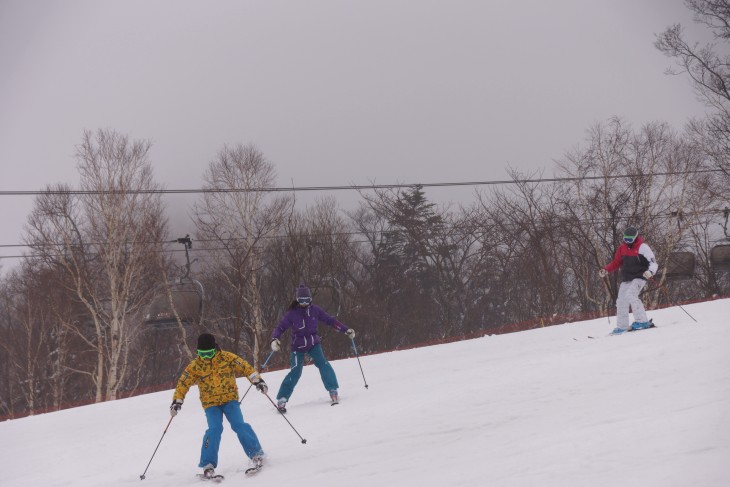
x: 256, y: 463
x: 209, y: 472
x: 281, y: 404
x: 636, y: 325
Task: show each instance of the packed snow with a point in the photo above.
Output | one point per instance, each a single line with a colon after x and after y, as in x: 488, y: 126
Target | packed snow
x: 547, y: 407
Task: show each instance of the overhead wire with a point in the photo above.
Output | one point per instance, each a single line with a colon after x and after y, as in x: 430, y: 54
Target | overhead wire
x: 668, y: 215
x: 342, y: 187
x: 348, y: 187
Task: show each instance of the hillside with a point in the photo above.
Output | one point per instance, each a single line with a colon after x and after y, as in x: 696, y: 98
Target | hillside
x: 547, y: 407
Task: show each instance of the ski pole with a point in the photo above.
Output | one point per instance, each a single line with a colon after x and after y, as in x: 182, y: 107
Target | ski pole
x: 285, y: 419
x: 142, y: 477
x: 608, y: 291
x: 666, y: 293
x: 262, y: 368
x: 358, y: 362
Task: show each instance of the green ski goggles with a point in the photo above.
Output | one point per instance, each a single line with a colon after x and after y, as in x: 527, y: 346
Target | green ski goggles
x: 206, y: 353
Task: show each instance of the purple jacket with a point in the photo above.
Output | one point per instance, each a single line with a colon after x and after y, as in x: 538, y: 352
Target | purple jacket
x: 303, y: 322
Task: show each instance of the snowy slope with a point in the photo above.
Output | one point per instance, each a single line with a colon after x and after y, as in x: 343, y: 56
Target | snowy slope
x: 547, y: 407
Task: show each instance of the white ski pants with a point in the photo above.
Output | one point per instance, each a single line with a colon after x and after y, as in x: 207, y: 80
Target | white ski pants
x: 628, y: 295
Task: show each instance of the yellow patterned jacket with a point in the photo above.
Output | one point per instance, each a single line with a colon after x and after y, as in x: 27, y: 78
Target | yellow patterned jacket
x: 216, y: 378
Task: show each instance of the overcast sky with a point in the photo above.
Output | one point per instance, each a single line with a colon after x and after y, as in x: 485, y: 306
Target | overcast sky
x: 332, y: 92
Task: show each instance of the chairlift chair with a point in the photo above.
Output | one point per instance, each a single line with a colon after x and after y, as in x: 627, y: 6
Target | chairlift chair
x: 720, y: 257
x: 183, y: 298
x: 679, y: 265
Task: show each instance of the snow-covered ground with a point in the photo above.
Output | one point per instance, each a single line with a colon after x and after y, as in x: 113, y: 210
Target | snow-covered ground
x: 548, y: 407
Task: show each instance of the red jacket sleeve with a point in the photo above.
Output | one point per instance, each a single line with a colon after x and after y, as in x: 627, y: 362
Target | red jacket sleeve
x: 615, y: 264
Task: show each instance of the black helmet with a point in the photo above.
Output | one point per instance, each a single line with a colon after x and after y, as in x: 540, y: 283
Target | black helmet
x: 206, y: 341
x: 207, y: 348
x: 630, y: 235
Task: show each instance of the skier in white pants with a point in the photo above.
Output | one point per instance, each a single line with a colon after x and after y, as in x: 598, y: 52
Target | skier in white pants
x: 637, y: 263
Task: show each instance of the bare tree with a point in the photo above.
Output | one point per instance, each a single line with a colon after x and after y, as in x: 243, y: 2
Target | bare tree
x: 236, y: 217
x: 26, y: 342
x: 34, y: 340
x: 315, y: 251
x: 708, y: 66
x: 526, y: 222
x: 623, y: 177
x: 105, y: 240
x: 125, y: 220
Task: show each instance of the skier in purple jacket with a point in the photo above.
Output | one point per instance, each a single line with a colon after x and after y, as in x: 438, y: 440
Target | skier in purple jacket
x: 303, y: 317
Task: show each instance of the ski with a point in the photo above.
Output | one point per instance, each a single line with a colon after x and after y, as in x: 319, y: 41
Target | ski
x: 630, y: 330
x: 215, y: 478
x: 651, y: 325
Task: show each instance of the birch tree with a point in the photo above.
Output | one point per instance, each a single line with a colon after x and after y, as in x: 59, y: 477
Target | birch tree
x: 236, y: 217
x: 104, y: 239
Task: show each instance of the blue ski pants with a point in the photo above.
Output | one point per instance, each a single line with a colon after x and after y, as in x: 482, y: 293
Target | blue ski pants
x: 329, y: 379
x: 212, y: 438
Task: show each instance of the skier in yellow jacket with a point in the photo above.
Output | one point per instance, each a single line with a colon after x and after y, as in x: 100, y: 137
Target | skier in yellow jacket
x: 215, y: 371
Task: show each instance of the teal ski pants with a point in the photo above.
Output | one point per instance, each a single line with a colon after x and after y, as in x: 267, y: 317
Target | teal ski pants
x: 329, y: 379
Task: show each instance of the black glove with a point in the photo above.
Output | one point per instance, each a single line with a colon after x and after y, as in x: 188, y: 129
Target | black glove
x: 261, y: 385
x: 175, y: 406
